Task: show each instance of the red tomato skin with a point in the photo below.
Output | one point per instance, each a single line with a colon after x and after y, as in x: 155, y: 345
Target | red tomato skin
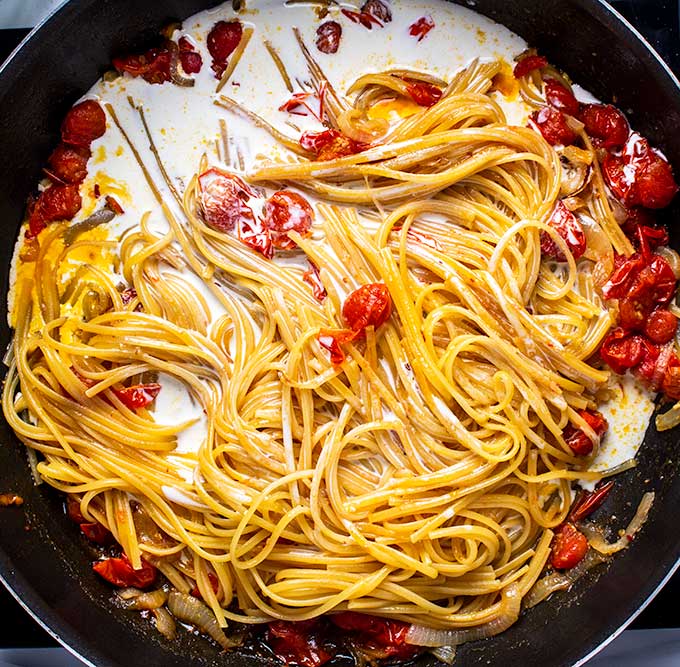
x: 370, y: 305
x: 222, y: 198
x: 621, y: 350
x: 138, y: 396
x: 287, y: 211
x: 577, y: 439
x: 223, y: 39
x: 421, y: 27
x: 529, y: 64
x: 661, y: 326
x: 552, y: 124
x: 312, y: 278
x: 366, y: 20
x: 384, y: 635
x: 96, y: 533
x: 69, y: 163
x: 559, y: 97
x: 328, y: 36
x: 84, y: 123
x: 569, y: 547
x: 569, y: 228
x: 189, y: 58
x: 605, y: 124
x: 119, y: 572
x: 330, y: 339
x: 330, y: 145
x: 152, y: 65
x: 422, y: 93
x: 297, y: 643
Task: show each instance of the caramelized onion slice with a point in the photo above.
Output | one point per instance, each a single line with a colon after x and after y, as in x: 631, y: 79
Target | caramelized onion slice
x: 190, y: 610
x: 100, y: 217
x: 597, y: 541
x: 165, y: 624
x: 133, y: 598
x: 511, y: 601
x: 669, y: 419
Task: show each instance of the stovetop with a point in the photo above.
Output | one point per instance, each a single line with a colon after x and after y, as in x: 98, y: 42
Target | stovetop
x: 659, y: 22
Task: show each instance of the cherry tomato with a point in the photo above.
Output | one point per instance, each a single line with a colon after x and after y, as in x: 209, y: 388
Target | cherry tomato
x: 214, y: 584
x: 671, y: 380
x: 633, y: 313
x: 640, y: 176
x: 621, y: 350
x: 331, y: 339
x: 222, y: 198
x: 370, y: 305
x: 287, y: 211
x: 647, y: 368
x: 422, y: 93
x: 330, y: 144
x: 661, y: 326
x: 552, y: 124
x: 366, y: 20
x: 605, y: 124
x: 569, y: 228
x: 255, y: 235
x: 655, y: 284
x: 96, y: 533
x: 297, y: 642
x: 189, y: 58
x: 421, y: 27
x: 529, y: 64
x: 378, y: 9
x: 577, y: 439
x: 312, y: 278
x: 223, y: 39
x: 569, y: 547
x: 84, y: 123
x: 138, y: 396
x: 588, y: 501
x: 69, y: 163
x: 58, y: 202
x: 153, y: 65
x: 328, y: 36
x: 559, y: 97
x: 383, y: 638
x: 119, y: 572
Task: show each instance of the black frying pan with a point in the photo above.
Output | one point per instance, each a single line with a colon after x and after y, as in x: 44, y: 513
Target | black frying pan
x: 46, y: 563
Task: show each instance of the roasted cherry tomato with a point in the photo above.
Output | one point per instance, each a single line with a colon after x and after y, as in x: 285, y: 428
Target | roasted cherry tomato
x: 138, y: 396
x: 577, y: 439
x: 370, y: 305
x: 661, y: 326
x: 189, y: 58
x: 621, y: 350
x: 559, y: 97
x: 552, y: 124
x: 421, y: 27
x: 569, y: 547
x: 569, y: 228
x: 312, y: 278
x: 69, y: 163
x: 588, y: 501
x: 297, y: 643
x: 655, y: 284
x: 528, y: 64
x: 378, y: 9
x: 84, y: 123
x: 640, y: 176
x: 284, y: 212
x: 422, y: 93
x: 605, y: 124
x: 223, y: 198
x: 152, y: 65
x: 58, y: 202
x: 119, y: 572
x: 96, y: 533
x: 380, y: 637
x: 223, y: 39
x: 255, y: 235
x: 328, y: 36
x: 330, y: 144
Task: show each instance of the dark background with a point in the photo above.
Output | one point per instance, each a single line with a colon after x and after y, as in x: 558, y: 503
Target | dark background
x: 659, y: 22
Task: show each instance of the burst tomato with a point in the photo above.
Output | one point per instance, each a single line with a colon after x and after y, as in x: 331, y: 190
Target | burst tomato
x: 69, y: 163
x: 621, y: 350
x: 152, y: 65
x: 569, y: 228
x: 605, y: 124
x: 284, y: 212
x: 58, y: 202
x: 223, y: 39
x: 330, y: 144
x: 422, y: 93
x: 84, y: 123
x: 383, y: 638
x: 328, y: 36
x: 569, y: 547
x: 139, y: 395
x: 370, y: 305
x: 660, y: 326
x: 297, y: 643
x: 191, y: 60
x: 552, y: 124
x: 119, y: 572
x: 223, y: 198
x: 559, y: 97
x: 577, y: 439
x: 528, y: 64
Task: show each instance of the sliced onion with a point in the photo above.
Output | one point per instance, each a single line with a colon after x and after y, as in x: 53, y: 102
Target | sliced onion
x: 560, y: 581
x: 445, y: 654
x: 511, y: 601
x: 100, y: 217
x: 176, y: 75
x: 597, y: 541
x: 669, y: 419
x: 133, y: 598
x: 165, y: 624
x: 355, y: 125
x: 599, y: 249
x: 33, y: 465
x: 190, y: 610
